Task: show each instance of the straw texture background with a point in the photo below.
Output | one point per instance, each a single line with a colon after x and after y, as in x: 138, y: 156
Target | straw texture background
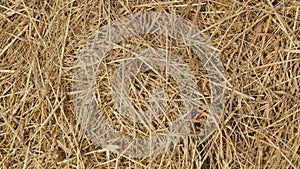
x: 259, y: 45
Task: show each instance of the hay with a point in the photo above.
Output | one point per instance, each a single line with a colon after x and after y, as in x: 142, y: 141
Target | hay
x: 258, y: 43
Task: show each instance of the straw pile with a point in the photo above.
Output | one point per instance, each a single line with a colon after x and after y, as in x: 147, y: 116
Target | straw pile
x: 259, y: 45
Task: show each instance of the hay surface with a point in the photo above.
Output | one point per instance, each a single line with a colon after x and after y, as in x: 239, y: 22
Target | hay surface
x: 259, y: 45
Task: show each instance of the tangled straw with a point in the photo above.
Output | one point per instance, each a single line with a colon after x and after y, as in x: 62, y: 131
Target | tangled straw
x: 92, y: 118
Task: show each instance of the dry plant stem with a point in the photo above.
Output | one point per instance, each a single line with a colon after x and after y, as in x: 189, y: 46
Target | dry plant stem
x: 259, y: 45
